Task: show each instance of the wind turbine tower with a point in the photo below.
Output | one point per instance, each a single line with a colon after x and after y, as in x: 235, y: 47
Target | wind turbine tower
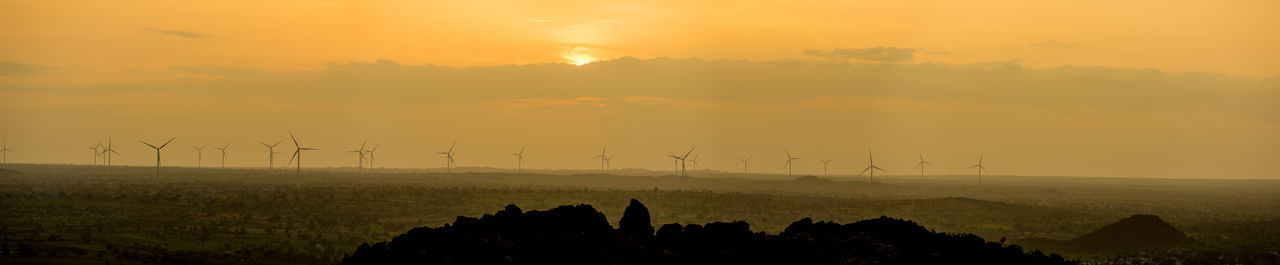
x: 375, y: 148
x: 602, y: 157
x: 166, y: 143
x: 96, y: 153
x: 297, y: 153
x: 695, y: 161
x: 519, y: 158
x: 4, y: 149
x: 224, y: 154
x: 921, y: 164
x: 825, y: 163
x: 872, y: 167
x: 448, y: 155
x: 980, y: 167
x: 789, y: 159
x: 199, y: 154
x: 271, y: 153
x: 360, y: 164
x: 681, y: 159
x: 108, y: 151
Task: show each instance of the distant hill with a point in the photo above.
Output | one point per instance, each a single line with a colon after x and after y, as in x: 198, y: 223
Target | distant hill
x: 581, y: 235
x: 1138, y: 231
x: 1134, y: 232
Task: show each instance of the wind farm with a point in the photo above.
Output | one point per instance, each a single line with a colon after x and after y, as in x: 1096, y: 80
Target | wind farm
x: 1121, y: 132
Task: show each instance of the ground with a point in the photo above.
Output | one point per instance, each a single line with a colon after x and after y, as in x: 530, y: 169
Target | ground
x: 79, y: 214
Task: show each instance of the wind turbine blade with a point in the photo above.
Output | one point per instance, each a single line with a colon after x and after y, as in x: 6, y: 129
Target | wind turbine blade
x: 295, y: 139
x: 451, y: 147
x: 264, y: 144
x: 366, y: 141
x: 167, y: 142
x: 864, y: 171
x: 152, y: 146
x: 295, y: 155
x: 114, y: 151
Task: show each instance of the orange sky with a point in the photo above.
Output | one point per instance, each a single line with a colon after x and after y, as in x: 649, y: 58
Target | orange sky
x: 1148, y: 89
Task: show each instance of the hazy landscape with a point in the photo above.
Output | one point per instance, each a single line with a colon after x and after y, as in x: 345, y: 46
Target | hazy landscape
x: 616, y: 132
x: 85, y: 214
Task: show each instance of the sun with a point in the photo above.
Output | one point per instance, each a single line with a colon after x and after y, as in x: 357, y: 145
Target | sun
x: 579, y: 56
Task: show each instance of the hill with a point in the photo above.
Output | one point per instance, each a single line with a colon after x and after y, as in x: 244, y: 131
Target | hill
x: 581, y: 235
x: 1134, y: 232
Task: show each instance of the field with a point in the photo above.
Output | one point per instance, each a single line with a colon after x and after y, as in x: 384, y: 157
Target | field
x: 52, y: 214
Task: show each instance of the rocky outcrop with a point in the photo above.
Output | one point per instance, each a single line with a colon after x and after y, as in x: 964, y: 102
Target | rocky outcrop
x: 581, y: 235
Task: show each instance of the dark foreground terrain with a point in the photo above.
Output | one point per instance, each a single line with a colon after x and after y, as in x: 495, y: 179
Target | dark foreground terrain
x: 59, y: 214
x: 581, y: 235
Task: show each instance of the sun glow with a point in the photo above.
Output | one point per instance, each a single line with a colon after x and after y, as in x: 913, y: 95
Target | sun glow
x: 579, y: 56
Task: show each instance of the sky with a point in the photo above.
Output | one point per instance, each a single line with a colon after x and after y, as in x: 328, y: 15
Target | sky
x: 1180, y: 89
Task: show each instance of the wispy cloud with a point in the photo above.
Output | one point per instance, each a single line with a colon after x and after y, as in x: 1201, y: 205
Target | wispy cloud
x: 530, y: 20
x: 1051, y: 43
x: 878, y: 54
x: 178, y: 33
x: 17, y: 69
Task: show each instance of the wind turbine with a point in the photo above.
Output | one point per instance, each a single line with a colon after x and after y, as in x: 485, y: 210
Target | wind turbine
x: 95, y: 152
x: 681, y: 159
x: 602, y: 157
x: 519, y: 158
x: 745, y: 165
x: 298, y: 152
x: 980, y: 167
x: 695, y: 161
x: 108, y: 150
x: 166, y: 143
x: 4, y: 149
x: 448, y: 155
x: 824, y: 165
x: 608, y: 162
x: 360, y: 164
x: 789, y: 159
x: 872, y: 167
x: 224, y: 154
x: 921, y: 164
x: 375, y: 148
x: 199, y: 154
x: 271, y: 153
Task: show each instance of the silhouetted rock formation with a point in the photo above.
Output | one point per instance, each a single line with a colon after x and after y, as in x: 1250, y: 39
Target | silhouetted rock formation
x: 635, y: 222
x: 581, y: 235
x: 1138, y: 231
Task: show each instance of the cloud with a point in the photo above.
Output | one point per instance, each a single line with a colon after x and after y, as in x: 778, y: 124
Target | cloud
x: 20, y: 69
x: 178, y: 33
x: 878, y: 54
x: 1051, y: 43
